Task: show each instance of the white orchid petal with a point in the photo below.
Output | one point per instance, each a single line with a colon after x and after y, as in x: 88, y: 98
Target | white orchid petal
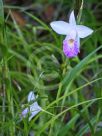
x: 61, y: 27
x: 83, y: 31
x: 31, y: 96
x: 78, y: 39
x: 72, y: 18
x: 72, y: 34
x: 25, y: 112
x: 33, y: 114
x: 34, y: 105
x: 34, y: 109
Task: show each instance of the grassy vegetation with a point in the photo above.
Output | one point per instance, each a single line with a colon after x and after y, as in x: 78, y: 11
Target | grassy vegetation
x: 31, y: 58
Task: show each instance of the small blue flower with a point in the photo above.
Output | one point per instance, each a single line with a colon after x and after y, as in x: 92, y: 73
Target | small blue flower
x: 73, y: 32
x: 33, y: 109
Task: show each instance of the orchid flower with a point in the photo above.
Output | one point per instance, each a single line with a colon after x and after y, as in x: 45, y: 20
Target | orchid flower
x: 33, y: 109
x: 73, y: 32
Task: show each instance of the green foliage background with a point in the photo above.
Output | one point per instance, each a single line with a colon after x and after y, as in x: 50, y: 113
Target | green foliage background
x: 31, y: 58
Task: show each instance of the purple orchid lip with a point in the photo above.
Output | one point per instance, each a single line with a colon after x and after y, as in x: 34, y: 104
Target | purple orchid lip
x: 70, y: 48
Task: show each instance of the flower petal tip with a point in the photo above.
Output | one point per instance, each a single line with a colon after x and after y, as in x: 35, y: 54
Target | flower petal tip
x: 84, y: 31
x: 51, y: 24
x: 72, y: 18
x: 61, y: 27
x: 31, y: 96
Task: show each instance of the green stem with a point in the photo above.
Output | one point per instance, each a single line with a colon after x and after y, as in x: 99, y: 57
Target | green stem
x: 80, y: 12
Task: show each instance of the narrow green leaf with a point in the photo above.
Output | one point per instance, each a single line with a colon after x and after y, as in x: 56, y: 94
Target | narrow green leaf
x: 1, y: 12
